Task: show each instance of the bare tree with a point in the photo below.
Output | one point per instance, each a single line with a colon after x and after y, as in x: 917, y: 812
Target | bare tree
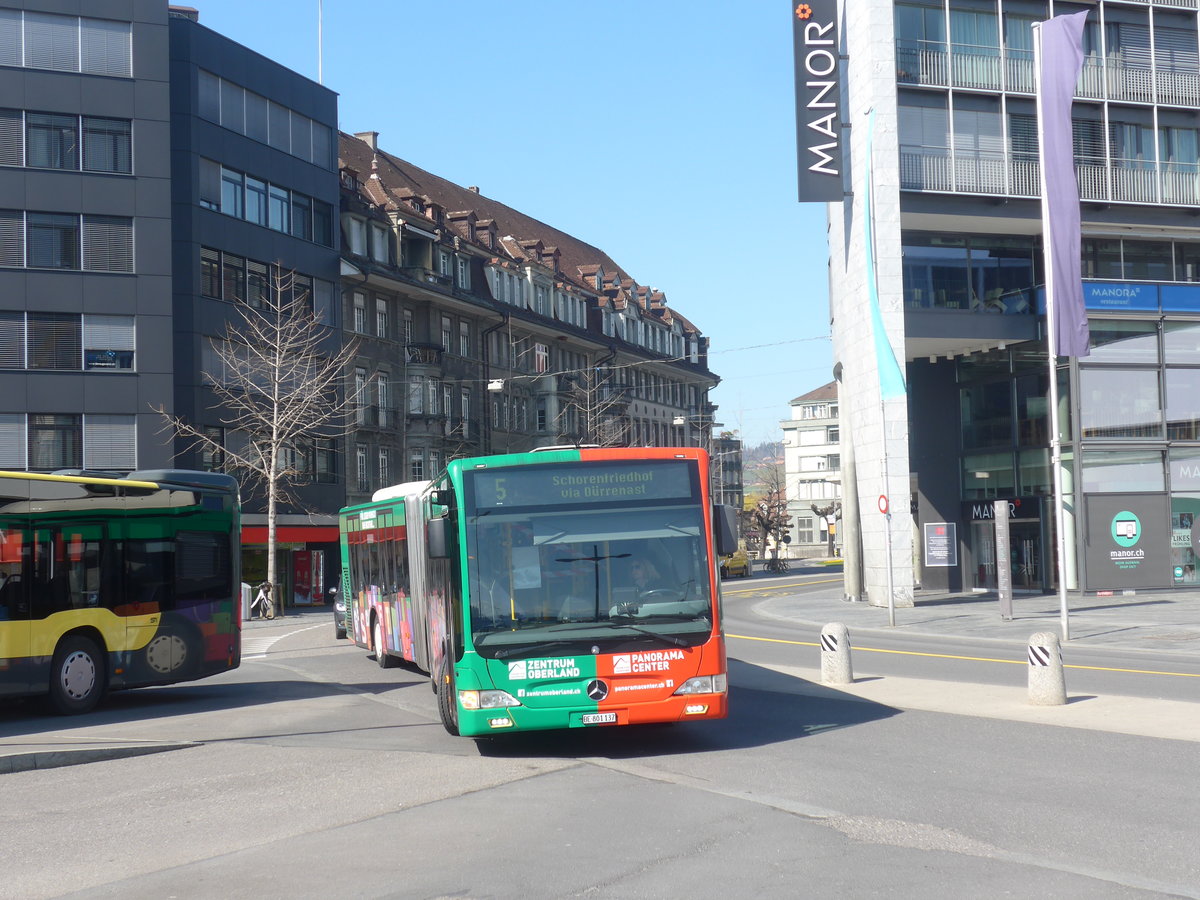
x: 593, y: 408
x: 834, y: 510
x: 277, y: 384
x: 766, y: 508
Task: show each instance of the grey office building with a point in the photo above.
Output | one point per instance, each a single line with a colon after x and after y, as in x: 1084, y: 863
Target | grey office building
x: 85, y: 223
x: 255, y: 194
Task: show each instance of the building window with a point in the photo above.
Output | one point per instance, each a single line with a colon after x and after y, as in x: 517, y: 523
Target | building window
x: 444, y: 265
x: 381, y: 386
x: 464, y: 399
x: 107, y: 145
x: 109, y: 442
x: 804, y: 529
x: 301, y: 217
x: 55, y: 442
x: 324, y: 460
x: 360, y: 396
x: 447, y: 334
x: 384, y: 475
x: 210, y: 273
x: 256, y: 201
x: 541, y: 358
x: 212, y: 452
x: 54, y: 341
x: 278, y: 209
x: 416, y: 465
x: 52, y: 241
x: 379, y: 243
x: 362, y: 475
x: 51, y: 141
x: 108, y: 342
x: 233, y: 189
x: 408, y: 326
x: 360, y: 312
x: 233, y: 277
x: 464, y: 339
x: 464, y: 273
x: 381, y: 318
x: 65, y: 43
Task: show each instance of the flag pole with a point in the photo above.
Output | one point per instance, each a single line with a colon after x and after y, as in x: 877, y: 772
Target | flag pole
x: 1060, y: 517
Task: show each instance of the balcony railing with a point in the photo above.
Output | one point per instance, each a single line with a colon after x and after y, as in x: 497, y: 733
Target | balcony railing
x: 1113, y: 181
x: 976, y: 67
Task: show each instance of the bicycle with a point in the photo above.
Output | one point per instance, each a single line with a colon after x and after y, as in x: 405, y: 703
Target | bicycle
x: 776, y: 564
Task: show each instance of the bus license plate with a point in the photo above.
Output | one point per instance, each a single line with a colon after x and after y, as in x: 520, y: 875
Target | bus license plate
x: 599, y: 718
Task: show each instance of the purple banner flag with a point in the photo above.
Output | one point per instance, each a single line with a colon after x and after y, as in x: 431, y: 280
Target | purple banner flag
x: 1061, y: 62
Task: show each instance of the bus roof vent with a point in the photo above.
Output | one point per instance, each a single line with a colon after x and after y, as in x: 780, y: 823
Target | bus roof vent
x: 566, y: 447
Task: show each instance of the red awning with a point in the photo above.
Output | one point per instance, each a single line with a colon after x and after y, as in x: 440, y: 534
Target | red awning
x: 291, y: 534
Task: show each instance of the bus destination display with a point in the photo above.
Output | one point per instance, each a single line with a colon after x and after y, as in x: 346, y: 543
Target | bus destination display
x: 537, y: 485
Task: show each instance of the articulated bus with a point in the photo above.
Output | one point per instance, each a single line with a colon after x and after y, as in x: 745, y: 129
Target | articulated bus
x: 116, y: 582
x: 561, y: 588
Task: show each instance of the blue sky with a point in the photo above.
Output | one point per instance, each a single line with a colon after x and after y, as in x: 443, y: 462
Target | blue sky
x: 660, y: 131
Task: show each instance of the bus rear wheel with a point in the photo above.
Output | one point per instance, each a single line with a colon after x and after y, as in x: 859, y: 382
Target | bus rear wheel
x: 77, y: 676
x: 447, y: 705
x: 381, y: 656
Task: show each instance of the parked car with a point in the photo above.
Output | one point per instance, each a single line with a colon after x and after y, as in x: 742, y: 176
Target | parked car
x: 339, y: 614
x: 736, y: 563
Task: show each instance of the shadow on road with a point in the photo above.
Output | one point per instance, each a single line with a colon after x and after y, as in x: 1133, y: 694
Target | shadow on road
x: 765, y: 707
x: 31, y: 716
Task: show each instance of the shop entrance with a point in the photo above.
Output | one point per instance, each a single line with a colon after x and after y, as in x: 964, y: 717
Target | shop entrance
x: 1026, y: 560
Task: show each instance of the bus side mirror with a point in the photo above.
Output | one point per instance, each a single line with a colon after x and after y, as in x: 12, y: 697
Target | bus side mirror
x: 725, y: 528
x: 435, y: 537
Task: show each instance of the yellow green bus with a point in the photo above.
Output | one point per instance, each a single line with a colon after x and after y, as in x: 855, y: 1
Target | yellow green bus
x: 116, y: 582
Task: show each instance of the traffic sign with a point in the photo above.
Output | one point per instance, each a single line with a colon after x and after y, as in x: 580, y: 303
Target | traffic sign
x: 883, y: 503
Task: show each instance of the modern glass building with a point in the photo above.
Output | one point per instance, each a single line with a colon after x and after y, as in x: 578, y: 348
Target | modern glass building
x: 956, y: 237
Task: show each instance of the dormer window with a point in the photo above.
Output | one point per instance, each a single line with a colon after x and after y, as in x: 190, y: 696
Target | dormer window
x: 379, y: 242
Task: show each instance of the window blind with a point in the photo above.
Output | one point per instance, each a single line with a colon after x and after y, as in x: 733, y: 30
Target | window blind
x: 108, y: 332
x: 12, y: 144
x: 10, y: 38
x: 109, y: 442
x: 108, y: 244
x: 12, y: 340
x: 54, y: 341
x: 12, y: 238
x: 51, y: 42
x: 105, y: 48
x: 12, y: 440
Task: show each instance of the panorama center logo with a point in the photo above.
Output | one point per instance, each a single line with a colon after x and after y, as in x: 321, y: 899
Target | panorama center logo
x: 1126, y: 528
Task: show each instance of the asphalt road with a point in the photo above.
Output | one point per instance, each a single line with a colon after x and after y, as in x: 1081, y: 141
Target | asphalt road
x: 309, y: 772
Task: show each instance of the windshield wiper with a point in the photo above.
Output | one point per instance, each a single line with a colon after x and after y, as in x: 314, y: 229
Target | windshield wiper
x: 532, y: 649
x: 666, y: 638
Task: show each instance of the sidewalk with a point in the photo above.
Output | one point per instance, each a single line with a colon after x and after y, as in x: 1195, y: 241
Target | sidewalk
x: 1162, y: 621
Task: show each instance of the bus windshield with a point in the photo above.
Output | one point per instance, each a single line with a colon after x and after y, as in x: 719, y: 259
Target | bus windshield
x: 605, y: 575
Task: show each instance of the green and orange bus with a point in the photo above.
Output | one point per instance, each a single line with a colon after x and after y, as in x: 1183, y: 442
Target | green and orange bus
x: 116, y: 582
x: 561, y: 588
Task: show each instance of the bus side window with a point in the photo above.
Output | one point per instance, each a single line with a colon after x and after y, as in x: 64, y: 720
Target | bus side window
x: 15, y: 563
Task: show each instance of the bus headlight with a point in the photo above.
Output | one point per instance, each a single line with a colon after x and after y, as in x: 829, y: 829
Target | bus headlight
x: 487, y: 699
x: 703, y: 684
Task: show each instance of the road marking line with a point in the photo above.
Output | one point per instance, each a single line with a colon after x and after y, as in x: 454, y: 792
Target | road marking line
x: 750, y: 590
x: 257, y: 647
x: 1014, y: 662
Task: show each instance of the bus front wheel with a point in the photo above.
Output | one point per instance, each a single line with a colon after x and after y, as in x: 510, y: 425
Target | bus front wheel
x: 447, y: 705
x: 381, y: 655
x: 76, y: 676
